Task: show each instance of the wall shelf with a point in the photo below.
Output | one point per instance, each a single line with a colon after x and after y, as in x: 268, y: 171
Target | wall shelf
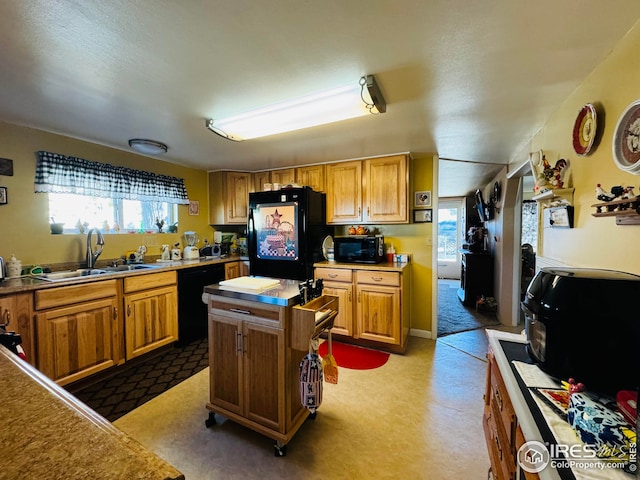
x: 566, y: 193
x: 626, y: 211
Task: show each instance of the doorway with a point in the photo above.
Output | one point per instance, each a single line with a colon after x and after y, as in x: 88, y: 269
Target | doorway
x: 450, y: 236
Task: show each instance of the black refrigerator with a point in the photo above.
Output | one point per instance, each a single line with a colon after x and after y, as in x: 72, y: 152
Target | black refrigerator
x: 286, y: 230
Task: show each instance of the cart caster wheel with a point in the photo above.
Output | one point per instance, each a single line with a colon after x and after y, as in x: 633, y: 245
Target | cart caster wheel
x: 280, y: 450
x: 211, y: 420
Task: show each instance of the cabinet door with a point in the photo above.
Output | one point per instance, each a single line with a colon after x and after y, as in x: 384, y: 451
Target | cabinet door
x: 244, y: 268
x: 378, y: 313
x: 237, y: 197
x: 151, y: 320
x: 386, y: 196
x: 17, y: 311
x: 231, y: 270
x: 259, y: 179
x: 343, y: 323
x: 283, y: 176
x: 264, y: 375
x: 225, y: 363
x: 77, y: 341
x: 344, y: 192
x: 311, y: 176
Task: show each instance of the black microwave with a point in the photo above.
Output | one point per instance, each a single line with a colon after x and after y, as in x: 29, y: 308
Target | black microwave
x: 359, y: 249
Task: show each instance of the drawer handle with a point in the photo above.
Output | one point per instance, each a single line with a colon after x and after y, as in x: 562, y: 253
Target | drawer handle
x: 499, y: 448
x: 333, y: 275
x: 376, y: 279
x: 239, y: 343
x: 239, y: 310
x: 498, y: 398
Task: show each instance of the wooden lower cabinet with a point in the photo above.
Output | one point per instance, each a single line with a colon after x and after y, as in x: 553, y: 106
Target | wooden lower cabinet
x: 151, y: 312
x: 78, y: 330
x: 232, y: 270
x: 501, y: 430
x: 378, y: 306
x: 374, y: 304
x: 253, y: 368
x: 16, y: 312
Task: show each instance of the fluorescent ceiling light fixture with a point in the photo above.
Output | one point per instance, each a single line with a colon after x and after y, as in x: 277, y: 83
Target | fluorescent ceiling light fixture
x: 330, y: 106
x: 148, y: 147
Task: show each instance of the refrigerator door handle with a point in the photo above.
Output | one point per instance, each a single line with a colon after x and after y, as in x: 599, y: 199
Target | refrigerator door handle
x: 252, y: 232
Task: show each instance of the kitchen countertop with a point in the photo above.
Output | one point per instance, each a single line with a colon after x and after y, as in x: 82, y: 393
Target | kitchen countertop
x: 285, y: 294
x: 27, y: 283
x: 390, y: 266
x: 47, y: 433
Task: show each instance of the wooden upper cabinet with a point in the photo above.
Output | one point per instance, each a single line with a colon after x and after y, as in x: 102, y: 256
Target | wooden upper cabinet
x: 283, y: 176
x: 311, y: 176
x: 229, y: 197
x: 344, y: 192
x: 386, y: 190
x: 375, y: 190
x: 259, y: 179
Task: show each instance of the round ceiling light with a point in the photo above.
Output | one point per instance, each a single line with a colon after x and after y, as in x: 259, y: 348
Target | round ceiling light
x: 148, y: 147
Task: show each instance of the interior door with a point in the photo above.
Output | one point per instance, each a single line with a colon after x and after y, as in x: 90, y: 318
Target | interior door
x: 450, y: 237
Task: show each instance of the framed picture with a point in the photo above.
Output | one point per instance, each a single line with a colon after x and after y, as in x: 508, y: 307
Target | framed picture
x: 194, y: 207
x: 423, y: 216
x: 422, y: 199
x: 3, y: 195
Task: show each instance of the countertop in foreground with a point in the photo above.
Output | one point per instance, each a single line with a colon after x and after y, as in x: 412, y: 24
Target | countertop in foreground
x: 45, y: 432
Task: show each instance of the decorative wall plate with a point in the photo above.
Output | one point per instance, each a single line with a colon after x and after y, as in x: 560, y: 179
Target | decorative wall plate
x: 584, y: 129
x: 626, y: 140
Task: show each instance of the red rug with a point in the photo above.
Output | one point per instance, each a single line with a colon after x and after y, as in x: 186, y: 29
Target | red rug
x: 354, y: 357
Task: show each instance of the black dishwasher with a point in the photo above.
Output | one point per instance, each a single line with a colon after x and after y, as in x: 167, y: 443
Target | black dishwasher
x: 192, y: 312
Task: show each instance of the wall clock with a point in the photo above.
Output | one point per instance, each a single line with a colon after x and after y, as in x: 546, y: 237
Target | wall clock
x: 626, y: 140
x: 584, y: 129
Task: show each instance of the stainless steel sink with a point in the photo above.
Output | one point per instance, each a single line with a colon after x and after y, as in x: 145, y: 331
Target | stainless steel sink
x: 68, y: 274
x: 89, y: 272
x: 125, y: 268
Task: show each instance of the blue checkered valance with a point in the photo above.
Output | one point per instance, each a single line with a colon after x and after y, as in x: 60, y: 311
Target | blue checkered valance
x: 57, y: 173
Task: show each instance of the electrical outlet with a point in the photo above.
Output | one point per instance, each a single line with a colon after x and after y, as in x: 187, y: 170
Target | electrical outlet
x: 151, y: 240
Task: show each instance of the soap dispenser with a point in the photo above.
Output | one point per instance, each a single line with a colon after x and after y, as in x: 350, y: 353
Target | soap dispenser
x: 14, y: 267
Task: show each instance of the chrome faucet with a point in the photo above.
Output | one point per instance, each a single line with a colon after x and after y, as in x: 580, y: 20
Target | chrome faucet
x: 91, y: 255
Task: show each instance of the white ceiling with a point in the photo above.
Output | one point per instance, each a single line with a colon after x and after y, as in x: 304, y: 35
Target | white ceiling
x: 468, y: 80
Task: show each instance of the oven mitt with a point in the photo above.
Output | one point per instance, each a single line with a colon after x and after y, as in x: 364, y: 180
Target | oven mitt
x: 311, y: 381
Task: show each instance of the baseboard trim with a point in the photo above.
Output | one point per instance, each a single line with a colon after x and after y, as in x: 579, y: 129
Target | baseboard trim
x: 414, y: 332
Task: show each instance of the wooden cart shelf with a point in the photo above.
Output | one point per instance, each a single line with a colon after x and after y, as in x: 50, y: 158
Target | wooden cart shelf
x: 311, y: 319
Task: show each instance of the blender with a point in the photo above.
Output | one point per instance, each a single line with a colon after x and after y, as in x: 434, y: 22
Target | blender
x: 191, y: 251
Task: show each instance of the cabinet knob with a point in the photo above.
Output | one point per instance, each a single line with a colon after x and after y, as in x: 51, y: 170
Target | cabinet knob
x: 115, y: 313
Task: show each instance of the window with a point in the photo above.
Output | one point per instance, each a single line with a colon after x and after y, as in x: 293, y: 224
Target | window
x: 85, y: 194
x: 448, y: 239
x: 110, y: 215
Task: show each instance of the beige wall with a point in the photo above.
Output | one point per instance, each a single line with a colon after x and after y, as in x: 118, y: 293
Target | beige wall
x: 24, y: 221
x: 594, y: 242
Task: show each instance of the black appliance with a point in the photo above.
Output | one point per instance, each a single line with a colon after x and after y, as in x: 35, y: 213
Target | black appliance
x: 359, y: 249
x: 286, y: 229
x: 192, y: 311
x: 583, y: 324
